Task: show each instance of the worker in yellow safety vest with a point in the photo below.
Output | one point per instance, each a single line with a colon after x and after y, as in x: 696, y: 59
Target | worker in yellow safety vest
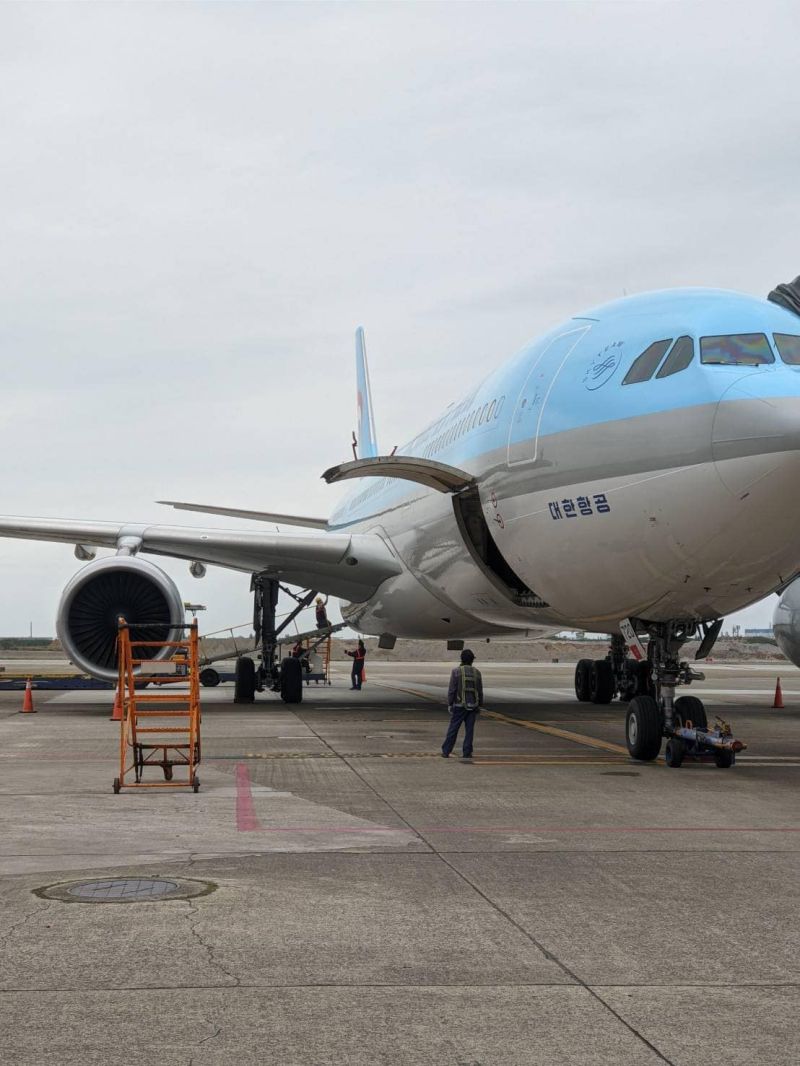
x: 464, y: 699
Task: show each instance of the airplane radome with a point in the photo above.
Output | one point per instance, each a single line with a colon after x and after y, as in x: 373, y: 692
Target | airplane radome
x: 633, y: 471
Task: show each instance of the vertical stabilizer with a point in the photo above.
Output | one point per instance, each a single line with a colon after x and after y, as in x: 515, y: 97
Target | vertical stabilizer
x: 367, y: 441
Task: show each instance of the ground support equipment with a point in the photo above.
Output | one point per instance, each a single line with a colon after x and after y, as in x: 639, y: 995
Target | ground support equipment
x: 158, y: 728
x: 711, y: 745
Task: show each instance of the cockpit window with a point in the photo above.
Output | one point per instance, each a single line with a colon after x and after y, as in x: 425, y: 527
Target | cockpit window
x: 644, y: 365
x: 740, y: 349
x: 679, y: 358
x: 789, y: 347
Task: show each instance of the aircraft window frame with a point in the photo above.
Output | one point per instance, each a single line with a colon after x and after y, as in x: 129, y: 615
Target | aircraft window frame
x: 778, y: 337
x: 645, y: 364
x: 736, y: 362
x: 668, y: 367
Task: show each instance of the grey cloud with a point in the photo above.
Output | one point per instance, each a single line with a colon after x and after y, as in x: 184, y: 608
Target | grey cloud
x: 199, y: 202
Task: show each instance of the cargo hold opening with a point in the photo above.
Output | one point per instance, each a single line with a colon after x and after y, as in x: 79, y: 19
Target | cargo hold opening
x: 483, y: 549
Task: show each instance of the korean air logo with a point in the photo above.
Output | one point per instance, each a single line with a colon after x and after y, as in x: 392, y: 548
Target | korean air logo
x: 602, y: 367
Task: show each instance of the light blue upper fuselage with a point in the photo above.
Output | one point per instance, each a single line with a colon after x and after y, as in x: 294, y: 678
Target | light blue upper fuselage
x: 571, y: 378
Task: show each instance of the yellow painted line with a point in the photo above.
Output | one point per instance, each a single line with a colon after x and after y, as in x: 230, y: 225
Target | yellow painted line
x: 410, y: 692
x: 539, y: 727
x: 563, y: 734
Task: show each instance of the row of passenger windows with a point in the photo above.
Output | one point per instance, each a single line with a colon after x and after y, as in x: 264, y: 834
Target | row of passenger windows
x: 741, y: 349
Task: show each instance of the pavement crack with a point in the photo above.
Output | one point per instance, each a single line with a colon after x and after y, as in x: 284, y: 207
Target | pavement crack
x: 555, y: 960
x: 9, y: 932
x: 192, y: 917
x: 212, y: 1036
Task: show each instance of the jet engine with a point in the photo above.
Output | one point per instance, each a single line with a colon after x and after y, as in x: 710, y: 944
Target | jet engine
x: 786, y: 622
x: 99, y: 594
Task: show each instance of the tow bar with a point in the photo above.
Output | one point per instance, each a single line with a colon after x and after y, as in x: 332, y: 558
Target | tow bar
x: 718, y: 744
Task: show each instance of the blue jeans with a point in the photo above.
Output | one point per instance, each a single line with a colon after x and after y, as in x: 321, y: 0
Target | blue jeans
x: 457, y: 716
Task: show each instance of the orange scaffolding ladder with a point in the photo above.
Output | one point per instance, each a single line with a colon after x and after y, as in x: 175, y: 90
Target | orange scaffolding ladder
x: 158, y: 728
x: 326, y: 660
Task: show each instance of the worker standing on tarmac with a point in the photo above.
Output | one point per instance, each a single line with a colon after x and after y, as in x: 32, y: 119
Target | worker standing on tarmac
x: 464, y: 699
x: 321, y: 614
x: 357, y: 673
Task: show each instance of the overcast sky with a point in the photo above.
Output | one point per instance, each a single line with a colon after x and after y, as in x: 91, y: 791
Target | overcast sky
x: 199, y: 203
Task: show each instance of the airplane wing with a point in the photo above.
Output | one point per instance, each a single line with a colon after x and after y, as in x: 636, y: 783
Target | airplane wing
x: 350, y: 567
x: 256, y: 516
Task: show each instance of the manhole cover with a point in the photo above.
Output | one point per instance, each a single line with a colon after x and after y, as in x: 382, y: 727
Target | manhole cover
x: 126, y: 890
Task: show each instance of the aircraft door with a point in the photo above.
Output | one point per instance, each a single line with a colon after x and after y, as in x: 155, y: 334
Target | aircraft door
x: 526, y: 421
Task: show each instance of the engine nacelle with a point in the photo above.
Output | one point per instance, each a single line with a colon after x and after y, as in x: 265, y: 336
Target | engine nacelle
x: 94, y: 599
x: 786, y: 622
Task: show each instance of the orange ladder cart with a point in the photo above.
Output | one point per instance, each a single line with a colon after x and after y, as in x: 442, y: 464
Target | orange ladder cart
x: 159, y: 729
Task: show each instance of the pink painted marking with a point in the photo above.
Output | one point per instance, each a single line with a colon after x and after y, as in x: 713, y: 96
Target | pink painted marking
x: 246, y: 820
x: 528, y: 829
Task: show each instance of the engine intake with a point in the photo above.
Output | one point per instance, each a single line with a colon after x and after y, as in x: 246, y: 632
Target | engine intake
x: 99, y: 594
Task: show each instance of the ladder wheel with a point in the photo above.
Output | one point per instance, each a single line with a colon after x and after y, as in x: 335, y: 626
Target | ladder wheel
x: 117, y: 786
x: 167, y: 772
x: 196, y: 783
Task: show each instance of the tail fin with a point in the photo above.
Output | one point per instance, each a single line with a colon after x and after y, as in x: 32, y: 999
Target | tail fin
x: 367, y: 441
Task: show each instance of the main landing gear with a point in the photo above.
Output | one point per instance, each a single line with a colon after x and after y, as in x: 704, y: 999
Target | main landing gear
x: 285, y: 677
x: 649, y: 682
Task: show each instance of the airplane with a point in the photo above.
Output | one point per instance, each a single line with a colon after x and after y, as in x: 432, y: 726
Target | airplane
x: 633, y: 471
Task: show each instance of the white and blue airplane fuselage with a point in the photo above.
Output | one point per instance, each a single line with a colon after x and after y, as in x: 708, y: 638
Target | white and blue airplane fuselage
x: 669, y: 496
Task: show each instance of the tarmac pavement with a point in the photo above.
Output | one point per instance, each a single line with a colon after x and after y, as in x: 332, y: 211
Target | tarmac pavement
x: 549, y: 902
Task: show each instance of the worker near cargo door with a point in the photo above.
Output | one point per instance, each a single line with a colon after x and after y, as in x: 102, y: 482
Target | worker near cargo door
x: 464, y: 699
x: 321, y: 614
x: 357, y: 673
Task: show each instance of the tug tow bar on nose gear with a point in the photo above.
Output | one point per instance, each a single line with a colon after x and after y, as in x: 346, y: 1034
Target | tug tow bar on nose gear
x: 719, y: 744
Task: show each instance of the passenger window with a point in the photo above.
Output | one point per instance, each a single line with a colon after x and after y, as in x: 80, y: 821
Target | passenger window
x: 679, y: 358
x: 789, y: 347
x: 741, y: 349
x: 644, y: 365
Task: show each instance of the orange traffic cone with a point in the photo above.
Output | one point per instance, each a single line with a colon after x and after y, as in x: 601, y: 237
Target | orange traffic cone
x: 116, y: 714
x: 778, y: 702
x: 27, y: 701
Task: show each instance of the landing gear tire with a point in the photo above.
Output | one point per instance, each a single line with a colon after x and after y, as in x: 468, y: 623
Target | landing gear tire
x: 724, y: 759
x: 291, y: 680
x: 675, y: 752
x: 643, y: 728
x: 583, y: 680
x: 209, y: 678
x: 689, y: 709
x: 601, y: 681
x: 245, y: 681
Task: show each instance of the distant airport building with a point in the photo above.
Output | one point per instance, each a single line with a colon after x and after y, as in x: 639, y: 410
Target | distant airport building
x: 759, y: 632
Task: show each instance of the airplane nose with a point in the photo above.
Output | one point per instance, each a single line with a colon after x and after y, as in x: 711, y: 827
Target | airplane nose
x: 757, y: 421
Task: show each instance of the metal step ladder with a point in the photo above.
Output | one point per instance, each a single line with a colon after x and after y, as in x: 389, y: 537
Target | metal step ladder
x: 158, y: 729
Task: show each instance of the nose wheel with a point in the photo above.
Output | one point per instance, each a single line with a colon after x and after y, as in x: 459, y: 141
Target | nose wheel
x: 643, y: 728
x: 682, y: 721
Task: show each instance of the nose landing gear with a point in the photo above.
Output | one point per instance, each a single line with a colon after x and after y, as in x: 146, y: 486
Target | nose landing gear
x: 682, y: 721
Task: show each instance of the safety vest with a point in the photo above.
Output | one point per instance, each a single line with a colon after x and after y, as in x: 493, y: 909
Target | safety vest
x: 467, y: 688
